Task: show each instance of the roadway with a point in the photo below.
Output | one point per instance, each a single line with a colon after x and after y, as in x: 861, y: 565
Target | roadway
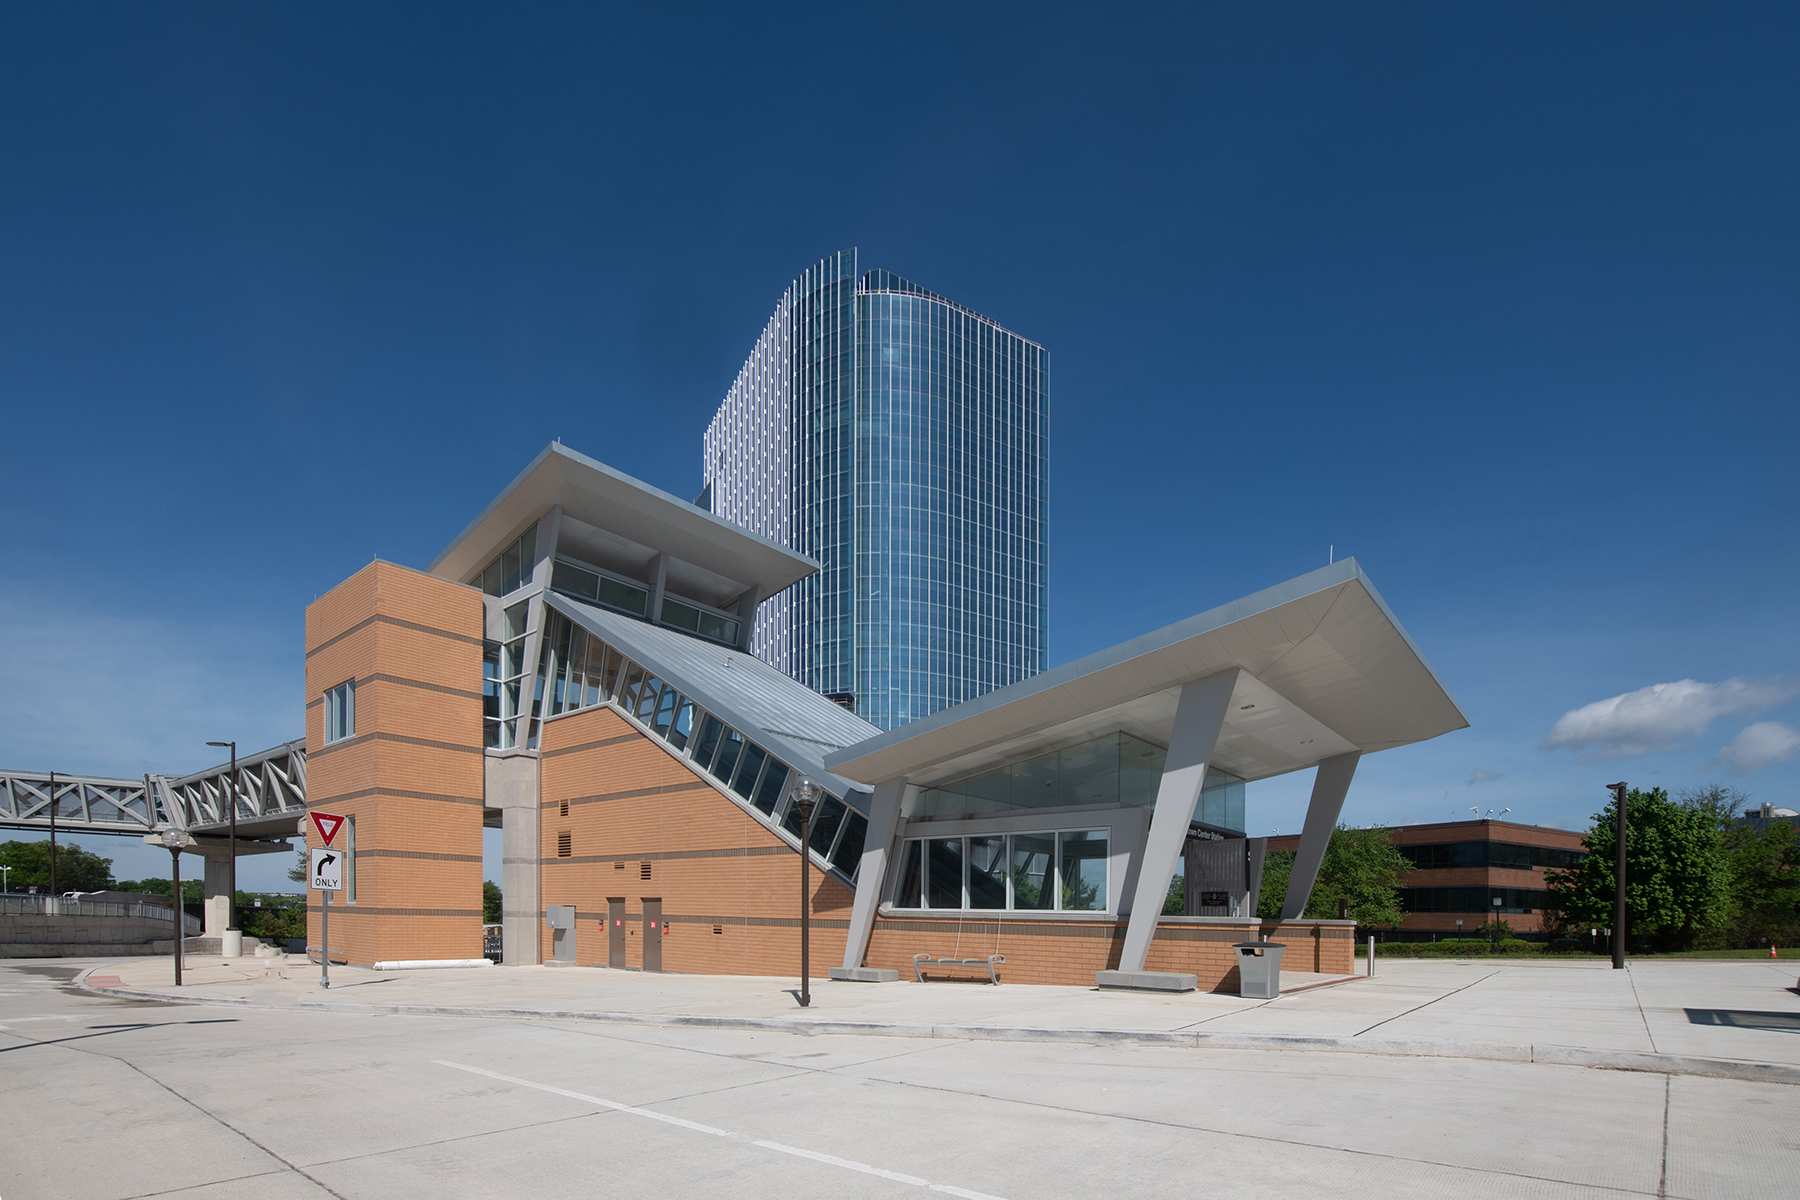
x: 108, y: 1097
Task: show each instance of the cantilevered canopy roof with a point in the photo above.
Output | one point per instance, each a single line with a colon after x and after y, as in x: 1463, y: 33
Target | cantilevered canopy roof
x: 628, y: 522
x: 1324, y: 669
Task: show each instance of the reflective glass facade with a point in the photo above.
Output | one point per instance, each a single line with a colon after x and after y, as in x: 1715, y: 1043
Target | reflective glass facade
x: 901, y: 440
x: 1115, y: 769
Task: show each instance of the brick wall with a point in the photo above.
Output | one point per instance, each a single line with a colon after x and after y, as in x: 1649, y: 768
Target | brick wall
x: 411, y: 776
x: 730, y: 888
x: 1070, y: 951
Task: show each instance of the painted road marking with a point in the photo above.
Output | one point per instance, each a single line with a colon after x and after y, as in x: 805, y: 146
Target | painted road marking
x: 796, y: 1151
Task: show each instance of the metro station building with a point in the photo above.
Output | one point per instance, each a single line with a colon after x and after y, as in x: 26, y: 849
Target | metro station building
x: 573, y: 670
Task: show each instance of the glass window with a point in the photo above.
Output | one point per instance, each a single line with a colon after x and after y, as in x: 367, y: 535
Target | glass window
x: 848, y: 855
x: 1030, y: 867
x: 944, y: 873
x: 769, y: 790
x: 634, y: 682
x: 906, y: 890
x: 646, y: 702
x: 1083, y: 870
x: 729, y: 749
x: 987, y: 872
x: 602, y: 675
x: 711, y: 731
x: 340, y: 712
x: 512, y: 570
x: 750, y: 765
x: 349, y: 835
x: 565, y: 577
x: 666, y: 706
x: 826, y: 819
x: 682, y: 726
x: 622, y: 596
x: 682, y: 616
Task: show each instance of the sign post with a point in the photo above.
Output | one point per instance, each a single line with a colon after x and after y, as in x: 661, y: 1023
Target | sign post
x: 327, y: 877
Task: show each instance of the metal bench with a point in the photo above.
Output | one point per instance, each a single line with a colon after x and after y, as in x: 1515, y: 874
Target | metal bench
x: 921, y: 961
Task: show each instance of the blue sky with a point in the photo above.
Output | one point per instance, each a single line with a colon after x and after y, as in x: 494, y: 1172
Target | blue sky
x: 1502, y: 300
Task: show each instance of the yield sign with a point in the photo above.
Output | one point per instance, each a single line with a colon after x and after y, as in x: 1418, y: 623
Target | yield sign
x: 327, y: 824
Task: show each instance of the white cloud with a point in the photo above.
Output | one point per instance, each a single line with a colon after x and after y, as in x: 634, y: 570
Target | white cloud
x: 1662, y: 716
x: 1760, y: 745
x: 1480, y: 776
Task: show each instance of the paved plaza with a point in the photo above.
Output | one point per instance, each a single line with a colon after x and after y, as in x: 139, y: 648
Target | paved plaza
x: 245, y: 1087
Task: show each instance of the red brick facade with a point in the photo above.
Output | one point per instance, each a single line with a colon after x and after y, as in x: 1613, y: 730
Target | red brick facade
x: 641, y: 823
x: 411, y: 775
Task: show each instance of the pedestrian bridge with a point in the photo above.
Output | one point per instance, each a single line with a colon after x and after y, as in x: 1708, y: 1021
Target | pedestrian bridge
x: 271, y: 800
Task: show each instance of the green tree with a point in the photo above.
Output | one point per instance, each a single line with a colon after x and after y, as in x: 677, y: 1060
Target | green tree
x: 77, y: 870
x: 1361, y: 866
x: 490, y: 902
x: 1677, y: 875
x: 192, y: 890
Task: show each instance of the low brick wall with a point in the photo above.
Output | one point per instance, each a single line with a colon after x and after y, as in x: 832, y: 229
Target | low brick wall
x: 1070, y: 950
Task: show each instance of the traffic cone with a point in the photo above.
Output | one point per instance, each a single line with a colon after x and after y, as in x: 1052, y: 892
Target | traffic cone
x: 1772, y: 953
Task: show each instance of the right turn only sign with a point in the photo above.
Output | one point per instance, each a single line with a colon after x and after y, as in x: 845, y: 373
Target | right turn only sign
x: 327, y: 870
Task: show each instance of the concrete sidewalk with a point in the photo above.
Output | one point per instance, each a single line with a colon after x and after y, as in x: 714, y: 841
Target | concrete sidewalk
x: 1725, y: 1019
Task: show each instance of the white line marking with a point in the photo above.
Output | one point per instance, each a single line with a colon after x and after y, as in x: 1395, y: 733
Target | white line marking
x: 796, y: 1151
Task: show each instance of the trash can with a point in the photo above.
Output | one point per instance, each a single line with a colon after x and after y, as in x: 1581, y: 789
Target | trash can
x: 1259, y: 969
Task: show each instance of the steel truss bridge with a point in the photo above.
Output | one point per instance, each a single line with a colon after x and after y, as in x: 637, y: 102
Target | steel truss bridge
x: 271, y: 800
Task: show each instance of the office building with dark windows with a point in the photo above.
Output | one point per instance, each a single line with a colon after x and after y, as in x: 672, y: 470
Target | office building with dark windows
x: 900, y: 440
x: 1466, y: 873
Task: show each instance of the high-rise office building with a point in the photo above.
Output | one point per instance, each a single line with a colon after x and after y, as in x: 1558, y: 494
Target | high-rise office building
x: 901, y: 440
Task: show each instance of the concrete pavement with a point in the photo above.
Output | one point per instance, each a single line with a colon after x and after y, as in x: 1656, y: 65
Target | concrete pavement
x: 1732, y: 1019
x: 112, y: 1098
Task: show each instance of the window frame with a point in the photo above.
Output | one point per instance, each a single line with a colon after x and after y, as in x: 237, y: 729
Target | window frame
x: 340, y: 711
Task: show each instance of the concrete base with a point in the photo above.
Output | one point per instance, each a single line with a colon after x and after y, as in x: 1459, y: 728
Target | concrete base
x: 1146, y: 981
x: 231, y: 943
x: 864, y: 974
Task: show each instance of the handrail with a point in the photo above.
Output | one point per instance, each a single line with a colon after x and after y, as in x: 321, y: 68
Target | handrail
x: 57, y: 906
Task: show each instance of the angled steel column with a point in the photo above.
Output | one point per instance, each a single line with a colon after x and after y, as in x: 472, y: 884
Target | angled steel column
x: 878, y: 845
x: 1199, y: 716
x: 1329, y: 787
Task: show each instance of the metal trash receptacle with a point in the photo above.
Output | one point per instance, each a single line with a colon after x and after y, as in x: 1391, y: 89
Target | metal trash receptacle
x: 1259, y: 969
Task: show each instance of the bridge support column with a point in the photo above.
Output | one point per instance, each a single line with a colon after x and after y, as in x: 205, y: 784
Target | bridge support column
x: 218, y: 893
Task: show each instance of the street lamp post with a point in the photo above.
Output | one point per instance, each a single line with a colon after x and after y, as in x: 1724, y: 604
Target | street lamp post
x: 175, y: 841
x: 53, y: 905
x: 4, y: 872
x: 806, y: 794
x: 1619, y: 828
x: 231, y: 908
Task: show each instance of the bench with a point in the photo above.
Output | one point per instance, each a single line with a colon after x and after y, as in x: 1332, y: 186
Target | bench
x: 921, y: 961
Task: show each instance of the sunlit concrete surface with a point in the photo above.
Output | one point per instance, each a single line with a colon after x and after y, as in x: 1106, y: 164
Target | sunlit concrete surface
x: 118, y: 1098
x: 1675, y: 1007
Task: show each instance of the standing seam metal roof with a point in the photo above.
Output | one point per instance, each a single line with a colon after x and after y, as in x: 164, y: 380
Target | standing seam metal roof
x: 779, y: 713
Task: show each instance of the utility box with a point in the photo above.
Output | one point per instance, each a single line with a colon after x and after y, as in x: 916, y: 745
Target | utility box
x: 561, y: 920
x: 1259, y: 969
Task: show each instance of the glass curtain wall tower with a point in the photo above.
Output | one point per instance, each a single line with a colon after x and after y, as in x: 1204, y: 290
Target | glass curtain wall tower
x: 902, y: 441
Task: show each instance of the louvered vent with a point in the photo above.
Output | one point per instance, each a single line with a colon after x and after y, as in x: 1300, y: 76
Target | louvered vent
x: 643, y: 870
x: 565, y: 844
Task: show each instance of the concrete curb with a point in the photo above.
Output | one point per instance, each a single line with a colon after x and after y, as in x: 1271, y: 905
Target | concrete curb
x: 1569, y: 1056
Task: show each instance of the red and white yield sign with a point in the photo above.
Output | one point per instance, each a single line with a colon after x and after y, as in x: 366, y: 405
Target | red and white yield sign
x: 327, y: 824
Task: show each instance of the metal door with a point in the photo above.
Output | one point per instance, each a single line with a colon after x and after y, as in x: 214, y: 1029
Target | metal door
x: 561, y: 919
x: 653, y: 935
x: 615, y: 931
